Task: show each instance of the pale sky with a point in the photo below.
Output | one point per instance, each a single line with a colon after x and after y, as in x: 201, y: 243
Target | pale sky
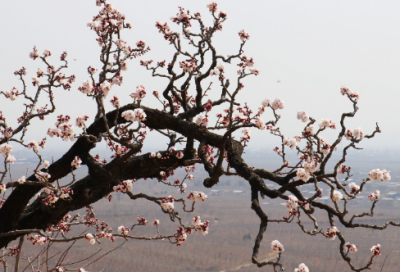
x: 311, y: 47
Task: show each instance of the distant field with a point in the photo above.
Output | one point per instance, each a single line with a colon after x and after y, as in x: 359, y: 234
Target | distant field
x: 233, y: 226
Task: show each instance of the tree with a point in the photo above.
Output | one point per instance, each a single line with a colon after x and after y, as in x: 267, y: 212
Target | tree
x: 183, y: 118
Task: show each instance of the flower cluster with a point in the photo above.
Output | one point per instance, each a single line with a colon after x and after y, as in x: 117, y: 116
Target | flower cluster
x: 344, y: 90
x: 197, y: 196
x: 277, y: 246
x: 276, y: 104
x: 46, y: 164
x: 125, y: 186
x: 303, y: 174
x: 376, y: 250
x: 63, y: 129
x: 200, y: 226
x: 292, y: 203
x: 343, y: 169
x: 134, y: 115
x: 80, y: 120
x: 167, y: 203
x: 374, y: 196
x: 182, y: 16
x: 291, y: 143
x: 37, y: 239
x: 21, y: 180
x: 5, y: 149
x: 336, y: 195
x: 87, y: 87
x: 164, y: 28
x: 140, y: 93
x: 212, y: 6
x: 302, y: 268
x: 90, y: 238
x: 66, y: 193
x: 181, y: 236
x: 377, y: 174
x: 202, y: 121
x: 259, y: 122
x: 326, y: 123
x: 354, y: 188
x: 51, y: 197
x: 244, y: 35
x: 309, y: 131
x: 246, y: 136
x: 123, y: 230
x: 7, y: 132
x: 355, y: 134
x: 142, y: 221
x: 122, y: 45
x: 303, y: 116
x: 188, y: 66
x: 12, y: 94
x: 42, y: 176
x: 352, y: 248
x: 331, y: 232
x: 76, y: 163
x: 115, y: 102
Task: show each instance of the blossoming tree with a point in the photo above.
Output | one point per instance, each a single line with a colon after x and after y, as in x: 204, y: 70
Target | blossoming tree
x: 37, y: 207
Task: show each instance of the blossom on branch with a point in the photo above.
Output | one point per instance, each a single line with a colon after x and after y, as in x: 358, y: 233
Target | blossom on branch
x: 374, y: 196
x: 376, y: 250
x: 303, y: 116
x: 197, y: 196
x: 134, y: 115
x: 302, y: 268
x: 331, y: 232
x: 352, y: 248
x: 277, y: 246
x: 244, y: 35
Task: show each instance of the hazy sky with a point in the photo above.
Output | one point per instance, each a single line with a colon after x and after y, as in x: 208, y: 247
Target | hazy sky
x: 311, y: 47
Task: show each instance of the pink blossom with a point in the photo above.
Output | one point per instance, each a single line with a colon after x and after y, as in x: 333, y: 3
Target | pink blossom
x: 33, y: 144
x: 254, y: 71
x: 2, y: 188
x: 140, y: 92
x: 303, y: 174
x: 5, y: 149
x: 292, y: 203
x: 197, y: 196
x: 266, y: 102
x: 302, y: 268
x: 336, y: 195
x: 244, y: 35
x: 376, y: 250
x: 345, y: 90
x: 21, y: 180
x: 134, y: 115
x: 277, y: 104
x: 212, y: 6
x: 76, y: 163
x: 331, y: 232
x: 374, y: 196
x: 259, y: 122
x: 34, y: 54
x: 80, y: 120
x: 354, y: 188
x: 352, y: 248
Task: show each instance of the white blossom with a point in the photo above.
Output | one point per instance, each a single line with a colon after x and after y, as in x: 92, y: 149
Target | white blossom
x: 336, y: 195
x: 277, y: 246
x: 302, y: 268
x: 303, y: 116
